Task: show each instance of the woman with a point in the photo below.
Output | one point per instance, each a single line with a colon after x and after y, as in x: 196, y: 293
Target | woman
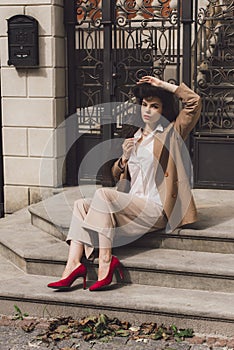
x: 152, y: 179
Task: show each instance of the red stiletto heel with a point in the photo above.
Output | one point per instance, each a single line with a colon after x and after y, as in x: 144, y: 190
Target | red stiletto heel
x: 65, y: 283
x: 114, y: 265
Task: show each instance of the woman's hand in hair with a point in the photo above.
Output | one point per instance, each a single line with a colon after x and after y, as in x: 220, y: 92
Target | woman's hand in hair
x: 151, y: 80
x: 157, y: 82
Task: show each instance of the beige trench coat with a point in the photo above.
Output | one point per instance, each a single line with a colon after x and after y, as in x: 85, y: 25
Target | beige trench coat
x: 172, y: 177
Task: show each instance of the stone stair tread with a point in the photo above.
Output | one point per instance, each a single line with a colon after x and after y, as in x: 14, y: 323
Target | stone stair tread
x: 215, y: 209
x: 201, y: 304
x: 179, y: 261
x: 9, y: 270
x: 36, y: 245
x: 58, y: 209
x: 28, y: 241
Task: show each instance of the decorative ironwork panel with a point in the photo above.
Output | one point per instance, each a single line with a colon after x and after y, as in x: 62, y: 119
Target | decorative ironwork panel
x: 146, y: 47
x: 142, y: 9
x: 89, y: 76
x: 214, y: 76
x: 145, y: 39
x: 89, y: 11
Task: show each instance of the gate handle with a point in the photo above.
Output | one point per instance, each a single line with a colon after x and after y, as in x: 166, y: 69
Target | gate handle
x: 115, y: 75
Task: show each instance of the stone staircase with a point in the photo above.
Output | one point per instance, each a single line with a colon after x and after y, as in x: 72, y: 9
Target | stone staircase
x: 185, y: 278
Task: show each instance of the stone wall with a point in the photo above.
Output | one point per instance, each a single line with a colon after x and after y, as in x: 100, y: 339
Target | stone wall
x: 33, y: 105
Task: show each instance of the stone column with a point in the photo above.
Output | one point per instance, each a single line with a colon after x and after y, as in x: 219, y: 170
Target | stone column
x: 33, y: 105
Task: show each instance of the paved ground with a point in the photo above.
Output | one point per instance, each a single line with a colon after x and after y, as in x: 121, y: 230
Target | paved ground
x: 16, y: 335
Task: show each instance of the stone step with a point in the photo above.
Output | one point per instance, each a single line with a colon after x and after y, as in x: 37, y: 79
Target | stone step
x: 53, y: 215
x: 205, y: 312
x: 37, y: 252
x: 29, y: 248
x: 212, y: 233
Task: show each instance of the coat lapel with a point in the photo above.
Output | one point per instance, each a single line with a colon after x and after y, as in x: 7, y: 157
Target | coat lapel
x: 160, y: 141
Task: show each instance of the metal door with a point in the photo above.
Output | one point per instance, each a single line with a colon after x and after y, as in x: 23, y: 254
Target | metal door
x: 213, y: 140
x: 111, y: 44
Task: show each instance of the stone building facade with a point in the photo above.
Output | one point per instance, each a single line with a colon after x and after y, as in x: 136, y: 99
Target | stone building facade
x: 33, y: 105
x: 35, y: 101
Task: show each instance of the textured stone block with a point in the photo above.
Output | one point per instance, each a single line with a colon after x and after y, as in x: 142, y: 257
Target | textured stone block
x: 5, y: 13
x: 40, y: 142
x: 44, y: 16
x: 59, y: 52
x: 27, y: 112
x: 15, y: 142
x: 59, y: 111
x: 58, y: 21
x: 37, y: 194
x: 4, y: 51
x: 60, y: 171
x: 46, y: 51
x: 16, y: 197
x: 60, y: 141
x: 18, y: 88
x: 60, y: 82
x: 25, y: 2
x: 29, y: 171
x: 41, y: 83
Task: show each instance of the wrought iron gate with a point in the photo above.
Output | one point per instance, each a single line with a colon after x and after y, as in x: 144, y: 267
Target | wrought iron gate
x: 214, y: 81
x: 112, y: 43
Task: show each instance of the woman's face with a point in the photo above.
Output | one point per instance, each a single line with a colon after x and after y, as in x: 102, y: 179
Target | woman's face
x: 151, y: 110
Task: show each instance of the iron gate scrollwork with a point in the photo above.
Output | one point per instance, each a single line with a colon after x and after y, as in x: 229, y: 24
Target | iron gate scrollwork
x: 214, y: 81
x: 215, y: 63
x: 145, y: 39
x: 118, y: 41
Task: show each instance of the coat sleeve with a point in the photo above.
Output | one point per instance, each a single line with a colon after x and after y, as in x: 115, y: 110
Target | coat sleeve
x: 191, y: 111
x: 116, y: 171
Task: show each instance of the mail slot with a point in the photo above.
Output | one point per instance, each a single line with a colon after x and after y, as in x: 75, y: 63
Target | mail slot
x: 23, y: 41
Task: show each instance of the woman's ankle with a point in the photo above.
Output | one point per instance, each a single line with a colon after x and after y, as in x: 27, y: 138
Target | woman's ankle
x: 71, y: 266
x: 105, y: 258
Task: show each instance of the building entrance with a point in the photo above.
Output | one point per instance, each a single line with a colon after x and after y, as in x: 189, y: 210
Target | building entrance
x: 112, y: 43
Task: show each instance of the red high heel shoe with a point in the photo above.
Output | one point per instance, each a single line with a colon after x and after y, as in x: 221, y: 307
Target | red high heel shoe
x: 64, y: 283
x: 114, y: 265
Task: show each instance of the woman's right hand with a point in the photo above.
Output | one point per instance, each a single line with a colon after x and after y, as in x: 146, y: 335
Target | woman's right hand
x: 158, y: 83
x: 151, y: 80
x: 127, y: 147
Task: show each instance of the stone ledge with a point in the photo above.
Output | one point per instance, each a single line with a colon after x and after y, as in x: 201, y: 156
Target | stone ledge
x: 40, y: 253
x: 205, y: 312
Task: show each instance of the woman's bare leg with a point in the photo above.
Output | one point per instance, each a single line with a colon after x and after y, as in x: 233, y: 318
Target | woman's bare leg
x: 75, y: 254
x: 105, y: 254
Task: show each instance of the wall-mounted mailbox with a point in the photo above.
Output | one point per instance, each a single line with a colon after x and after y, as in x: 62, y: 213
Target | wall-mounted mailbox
x: 23, y: 41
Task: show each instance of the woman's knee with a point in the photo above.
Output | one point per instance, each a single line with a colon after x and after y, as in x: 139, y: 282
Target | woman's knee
x: 81, y: 204
x: 106, y: 193
x: 78, y: 202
